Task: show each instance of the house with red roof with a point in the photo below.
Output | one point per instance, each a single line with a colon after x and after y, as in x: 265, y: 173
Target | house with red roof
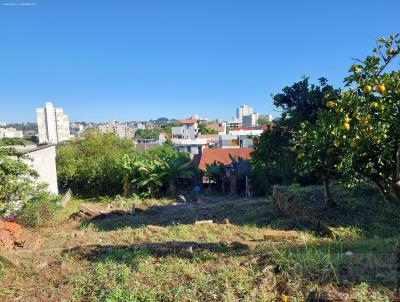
x: 223, y: 155
x: 236, y: 163
x: 220, y: 128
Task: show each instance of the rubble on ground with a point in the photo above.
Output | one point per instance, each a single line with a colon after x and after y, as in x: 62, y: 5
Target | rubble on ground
x: 92, y: 211
x: 10, y: 235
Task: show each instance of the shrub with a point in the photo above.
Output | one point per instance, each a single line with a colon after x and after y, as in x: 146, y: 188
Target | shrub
x: 15, y: 178
x: 40, y: 208
x: 92, y: 167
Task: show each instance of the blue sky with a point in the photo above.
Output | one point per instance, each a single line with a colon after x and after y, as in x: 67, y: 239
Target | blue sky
x: 136, y: 60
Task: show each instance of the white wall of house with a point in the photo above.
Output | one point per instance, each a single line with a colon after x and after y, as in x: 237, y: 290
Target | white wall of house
x: 252, y: 132
x: 191, y: 146
x: 43, y: 160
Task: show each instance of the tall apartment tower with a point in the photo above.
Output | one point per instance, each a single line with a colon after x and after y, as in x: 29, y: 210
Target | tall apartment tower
x: 53, y: 124
x: 242, y: 111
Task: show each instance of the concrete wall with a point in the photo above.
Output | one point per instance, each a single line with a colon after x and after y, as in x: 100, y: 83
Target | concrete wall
x: 43, y: 160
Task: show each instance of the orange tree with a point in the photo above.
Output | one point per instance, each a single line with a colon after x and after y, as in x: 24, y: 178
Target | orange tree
x: 273, y: 161
x: 318, y: 150
x: 360, y: 134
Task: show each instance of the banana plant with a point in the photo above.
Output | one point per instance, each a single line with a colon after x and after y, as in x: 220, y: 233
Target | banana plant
x: 151, y: 172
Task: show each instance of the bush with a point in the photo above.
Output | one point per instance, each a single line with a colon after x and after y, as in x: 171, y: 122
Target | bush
x: 92, y: 167
x: 40, y: 208
x: 16, y: 178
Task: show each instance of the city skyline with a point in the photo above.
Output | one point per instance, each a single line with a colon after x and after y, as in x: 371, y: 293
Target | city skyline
x: 141, y: 60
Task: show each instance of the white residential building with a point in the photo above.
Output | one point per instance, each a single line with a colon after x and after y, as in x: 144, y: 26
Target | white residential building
x: 246, y: 116
x: 120, y: 130
x: 234, y: 123
x: 77, y: 130
x: 191, y: 146
x: 242, y: 111
x: 10, y: 133
x: 234, y: 141
x: 53, y: 124
x: 188, y: 129
x: 250, y: 120
x: 246, y: 132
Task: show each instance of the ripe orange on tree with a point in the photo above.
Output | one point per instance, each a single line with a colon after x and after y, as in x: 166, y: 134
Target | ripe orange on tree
x: 380, y: 88
x: 367, y: 89
x: 330, y: 104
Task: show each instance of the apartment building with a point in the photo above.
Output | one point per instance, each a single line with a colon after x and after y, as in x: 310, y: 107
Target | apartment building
x: 53, y: 124
x: 10, y: 133
x: 246, y: 117
x: 121, y: 130
x: 242, y: 111
x: 188, y: 130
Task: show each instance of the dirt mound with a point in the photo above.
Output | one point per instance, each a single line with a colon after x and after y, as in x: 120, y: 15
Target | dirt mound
x: 10, y: 235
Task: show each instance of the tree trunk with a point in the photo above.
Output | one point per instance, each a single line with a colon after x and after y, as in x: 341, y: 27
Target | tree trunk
x: 396, y: 180
x: 329, y: 202
x: 396, y: 191
x: 380, y: 189
x: 397, y: 164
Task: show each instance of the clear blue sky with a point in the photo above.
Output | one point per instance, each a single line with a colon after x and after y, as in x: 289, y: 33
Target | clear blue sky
x: 136, y: 60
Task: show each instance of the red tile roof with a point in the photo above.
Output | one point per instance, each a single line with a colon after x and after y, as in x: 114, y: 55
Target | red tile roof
x: 188, y: 121
x: 215, y: 126
x: 211, y: 155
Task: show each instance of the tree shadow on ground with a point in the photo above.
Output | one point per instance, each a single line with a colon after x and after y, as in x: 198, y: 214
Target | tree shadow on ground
x: 360, y: 213
x: 259, y: 212
x: 373, y: 262
x: 370, y: 261
x: 360, y: 210
x: 181, y: 249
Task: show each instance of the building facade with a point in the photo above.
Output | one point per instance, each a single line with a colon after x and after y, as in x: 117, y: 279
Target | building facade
x: 250, y: 120
x: 246, y: 117
x: 188, y: 130
x: 242, y: 111
x: 53, y: 124
x: 121, y: 130
x: 10, y: 133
